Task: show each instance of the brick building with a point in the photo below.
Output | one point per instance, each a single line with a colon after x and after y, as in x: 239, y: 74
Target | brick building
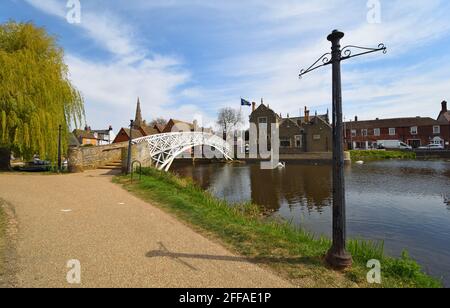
x: 297, y: 135
x: 416, y: 132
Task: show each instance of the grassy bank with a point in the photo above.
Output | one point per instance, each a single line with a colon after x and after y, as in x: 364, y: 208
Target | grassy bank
x: 292, y: 253
x: 379, y: 155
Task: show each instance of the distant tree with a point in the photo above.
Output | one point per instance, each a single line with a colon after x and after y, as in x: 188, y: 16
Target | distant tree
x: 228, y: 119
x: 36, y: 95
x: 158, y: 121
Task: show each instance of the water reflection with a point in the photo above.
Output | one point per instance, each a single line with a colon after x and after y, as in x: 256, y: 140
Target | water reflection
x: 297, y: 185
x: 402, y: 203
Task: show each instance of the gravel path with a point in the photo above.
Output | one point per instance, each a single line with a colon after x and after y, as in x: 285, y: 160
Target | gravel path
x: 120, y: 240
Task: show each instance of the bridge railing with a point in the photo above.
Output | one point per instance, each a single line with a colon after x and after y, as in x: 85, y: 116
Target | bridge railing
x: 164, y: 148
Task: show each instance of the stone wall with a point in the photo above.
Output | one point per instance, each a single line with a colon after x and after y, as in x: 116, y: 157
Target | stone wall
x: 88, y: 158
x: 138, y: 154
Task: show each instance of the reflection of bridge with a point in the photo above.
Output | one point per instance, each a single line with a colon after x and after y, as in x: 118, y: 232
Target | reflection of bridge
x: 164, y: 148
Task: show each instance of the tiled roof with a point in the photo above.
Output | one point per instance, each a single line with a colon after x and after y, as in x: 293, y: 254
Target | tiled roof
x: 393, y: 123
x: 160, y: 127
x: 302, y: 119
x: 101, y: 131
x: 84, y: 134
x: 149, y: 130
x: 289, y: 121
x: 136, y: 133
x: 182, y: 122
x: 73, y: 141
x: 447, y: 115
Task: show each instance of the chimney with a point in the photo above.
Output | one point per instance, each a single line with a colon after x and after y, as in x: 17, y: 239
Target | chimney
x: 253, y: 107
x: 444, y: 106
x: 306, y: 115
x: 110, y: 128
x: 195, y: 125
x: 356, y: 118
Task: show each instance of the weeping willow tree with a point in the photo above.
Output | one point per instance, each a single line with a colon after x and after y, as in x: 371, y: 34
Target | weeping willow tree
x: 36, y: 95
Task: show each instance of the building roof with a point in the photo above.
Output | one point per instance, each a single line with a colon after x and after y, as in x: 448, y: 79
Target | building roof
x: 262, y: 106
x: 159, y: 127
x: 149, y: 130
x: 445, y: 115
x: 101, y: 131
x: 136, y: 133
x: 79, y: 133
x: 289, y: 121
x: 73, y: 140
x: 393, y: 123
x: 182, y: 122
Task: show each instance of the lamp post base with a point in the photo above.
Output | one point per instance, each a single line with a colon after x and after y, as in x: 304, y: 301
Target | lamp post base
x: 339, y: 260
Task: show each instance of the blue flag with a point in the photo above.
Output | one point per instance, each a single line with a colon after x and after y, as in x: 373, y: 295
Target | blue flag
x: 245, y: 103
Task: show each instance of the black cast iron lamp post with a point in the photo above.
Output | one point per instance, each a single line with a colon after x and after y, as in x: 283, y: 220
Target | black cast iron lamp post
x: 337, y: 256
x: 130, y: 143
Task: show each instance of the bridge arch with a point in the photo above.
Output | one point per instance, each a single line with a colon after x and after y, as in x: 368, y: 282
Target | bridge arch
x: 165, y: 148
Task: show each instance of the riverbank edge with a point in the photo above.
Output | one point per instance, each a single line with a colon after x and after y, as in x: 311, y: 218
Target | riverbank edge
x: 292, y: 253
x: 357, y: 155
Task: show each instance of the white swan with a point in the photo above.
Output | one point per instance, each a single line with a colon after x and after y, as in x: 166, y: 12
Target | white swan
x: 360, y: 162
x: 446, y: 198
x: 281, y: 165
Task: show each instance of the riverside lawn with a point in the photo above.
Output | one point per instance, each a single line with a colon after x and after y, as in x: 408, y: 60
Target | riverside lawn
x: 291, y: 252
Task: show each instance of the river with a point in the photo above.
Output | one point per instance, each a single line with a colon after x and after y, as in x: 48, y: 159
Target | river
x: 398, y: 202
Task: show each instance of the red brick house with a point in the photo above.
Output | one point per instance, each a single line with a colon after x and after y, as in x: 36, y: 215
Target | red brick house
x: 416, y: 132
x: 124, y: 135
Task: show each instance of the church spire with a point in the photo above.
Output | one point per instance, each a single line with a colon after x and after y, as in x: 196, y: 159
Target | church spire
x: 138, y: 119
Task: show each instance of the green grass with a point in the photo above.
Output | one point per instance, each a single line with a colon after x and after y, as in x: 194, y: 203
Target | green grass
x: 289, y: 251
x: 378, y: 154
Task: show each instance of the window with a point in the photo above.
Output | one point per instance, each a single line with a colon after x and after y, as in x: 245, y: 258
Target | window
x: 436, y: 129
x: 438, y: 141
x: 354, y: 133
x: 285, y: 142
x: 262, y: 120
x: 298, y: 142
x: 414, y: 130
x: 364, y: 132
x: 377, y: 132
x: 392, y: 131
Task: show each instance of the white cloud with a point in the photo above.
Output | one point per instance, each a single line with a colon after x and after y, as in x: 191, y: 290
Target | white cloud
x: 111, y: 87
x: 265, y: 43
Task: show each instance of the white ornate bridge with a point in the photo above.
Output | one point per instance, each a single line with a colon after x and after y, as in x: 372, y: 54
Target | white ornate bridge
x: 164, y: 148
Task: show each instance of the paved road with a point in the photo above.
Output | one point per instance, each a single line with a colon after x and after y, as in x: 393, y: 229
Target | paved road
x: 119, y: 240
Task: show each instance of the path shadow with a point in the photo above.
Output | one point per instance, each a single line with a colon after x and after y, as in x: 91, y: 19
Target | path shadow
x: 164, y: 252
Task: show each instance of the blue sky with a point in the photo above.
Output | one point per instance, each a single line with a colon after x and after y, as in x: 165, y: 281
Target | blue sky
x: 186, y: 59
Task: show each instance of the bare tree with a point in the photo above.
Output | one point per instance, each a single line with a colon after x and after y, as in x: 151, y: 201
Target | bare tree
x: 228, y: 119
x: 158, y: 121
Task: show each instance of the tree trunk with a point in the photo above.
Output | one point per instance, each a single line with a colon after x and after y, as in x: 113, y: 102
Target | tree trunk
x: 5, y: 159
